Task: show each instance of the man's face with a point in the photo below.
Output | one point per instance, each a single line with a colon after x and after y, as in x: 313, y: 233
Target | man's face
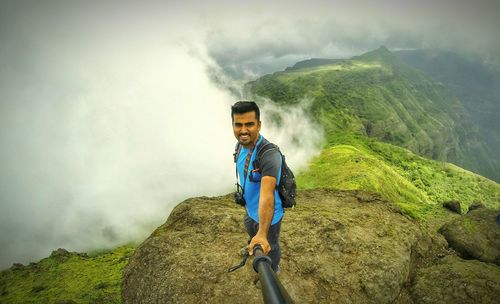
x: 246, y: 128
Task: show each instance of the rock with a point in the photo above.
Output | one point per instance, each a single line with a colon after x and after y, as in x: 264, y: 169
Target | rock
x: 17, y: 266
x: 366, y: 197
x: 335, y: 249
x: 475, y: 205
x: 453, y: 206
x: 60, y: 254
x: 475, y: 235
x: 457, y: 281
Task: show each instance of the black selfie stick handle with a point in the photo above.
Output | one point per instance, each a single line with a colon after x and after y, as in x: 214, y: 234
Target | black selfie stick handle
x: 273, y: 291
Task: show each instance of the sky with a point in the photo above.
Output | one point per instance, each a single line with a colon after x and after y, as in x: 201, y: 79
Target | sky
x: 111, y: 113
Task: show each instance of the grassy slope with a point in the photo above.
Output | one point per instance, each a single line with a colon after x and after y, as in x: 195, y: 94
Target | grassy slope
x: 94, y: 279
x: 378, y: 96
x: 475, y: 83
x: 418, y: 185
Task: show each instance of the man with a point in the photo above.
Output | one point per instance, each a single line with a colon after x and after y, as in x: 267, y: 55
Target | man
x: 263, y: 204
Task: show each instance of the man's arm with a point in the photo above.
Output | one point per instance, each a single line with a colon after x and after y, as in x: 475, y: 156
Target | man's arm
x: 266, y: 213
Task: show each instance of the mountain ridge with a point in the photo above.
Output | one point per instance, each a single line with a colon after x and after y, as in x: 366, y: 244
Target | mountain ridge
x: 377, y: 95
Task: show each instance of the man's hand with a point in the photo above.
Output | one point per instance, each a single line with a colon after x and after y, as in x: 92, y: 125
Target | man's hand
x: 262, y: 240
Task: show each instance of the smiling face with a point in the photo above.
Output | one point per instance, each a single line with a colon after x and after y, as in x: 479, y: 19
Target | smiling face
x: 246, y: 128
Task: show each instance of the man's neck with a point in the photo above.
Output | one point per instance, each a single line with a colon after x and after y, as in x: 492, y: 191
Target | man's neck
x: 252, y: 145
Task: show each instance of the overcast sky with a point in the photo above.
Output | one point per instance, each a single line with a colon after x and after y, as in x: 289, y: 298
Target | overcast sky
x: 259, y: 37
x: 109, y: 117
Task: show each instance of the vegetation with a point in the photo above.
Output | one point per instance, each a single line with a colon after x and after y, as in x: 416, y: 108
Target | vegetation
x: 378, y: 96
x: 419, y: 186
x: 476, y: 84
x: 67, y: 278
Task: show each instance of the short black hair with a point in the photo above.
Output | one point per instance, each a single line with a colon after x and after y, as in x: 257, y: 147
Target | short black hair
x: 242, y: 107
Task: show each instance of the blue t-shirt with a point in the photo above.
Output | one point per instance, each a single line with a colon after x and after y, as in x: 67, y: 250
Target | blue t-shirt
x: 270, y: 166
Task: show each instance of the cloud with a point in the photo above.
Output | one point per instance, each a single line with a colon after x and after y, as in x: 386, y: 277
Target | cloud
x: 291, y: 128
x: 282, y: 34
x: 108, y: 144
x: 103, y: 132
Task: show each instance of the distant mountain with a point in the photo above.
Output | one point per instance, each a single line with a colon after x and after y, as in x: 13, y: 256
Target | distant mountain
x: 314, y: 62
x: 477, y: 85
x: 379, y: 96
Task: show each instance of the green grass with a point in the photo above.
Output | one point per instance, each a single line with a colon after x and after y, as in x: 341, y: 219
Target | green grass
x: 378, y: 96
x: 439, y: 180
x: 94, y: 279
x: 417, y: 185
x: 347, y: 167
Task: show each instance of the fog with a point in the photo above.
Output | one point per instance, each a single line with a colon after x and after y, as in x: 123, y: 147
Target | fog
x: 104, y: 131
x: 110, y: 113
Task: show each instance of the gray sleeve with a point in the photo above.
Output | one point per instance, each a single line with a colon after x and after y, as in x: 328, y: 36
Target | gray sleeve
x: 271, y: 163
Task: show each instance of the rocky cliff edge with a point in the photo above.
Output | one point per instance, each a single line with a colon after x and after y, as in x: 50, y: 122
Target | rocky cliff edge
x: 337, y: 247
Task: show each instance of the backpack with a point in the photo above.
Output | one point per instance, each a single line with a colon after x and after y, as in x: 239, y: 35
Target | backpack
x: 287, y: 188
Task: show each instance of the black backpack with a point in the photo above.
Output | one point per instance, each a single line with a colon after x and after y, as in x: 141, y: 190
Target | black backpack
x: 287, y: 188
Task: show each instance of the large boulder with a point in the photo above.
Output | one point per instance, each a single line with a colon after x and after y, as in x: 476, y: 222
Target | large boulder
x: 338, y: 247
x: 457, y: 281
x: 453, y: 206
x: 475, y: 235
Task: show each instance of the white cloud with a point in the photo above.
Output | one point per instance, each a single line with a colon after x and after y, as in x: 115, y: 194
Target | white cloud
x: 291, y: 128
x: 100, y: 139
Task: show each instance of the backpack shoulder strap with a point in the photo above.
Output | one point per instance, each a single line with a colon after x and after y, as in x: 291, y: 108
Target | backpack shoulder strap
x: 266, y: 147
x: 237, y: 150
x: 261, y: 150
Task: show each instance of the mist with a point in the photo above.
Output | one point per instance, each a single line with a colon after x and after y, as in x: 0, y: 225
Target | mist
x: 101, y: 164
x: 111, y: 113
x: 103, y: 132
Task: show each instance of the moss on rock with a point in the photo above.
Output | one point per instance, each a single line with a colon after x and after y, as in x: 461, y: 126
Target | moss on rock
x: 338, y: 246
x: 457, y: 281
x: 475, y: 235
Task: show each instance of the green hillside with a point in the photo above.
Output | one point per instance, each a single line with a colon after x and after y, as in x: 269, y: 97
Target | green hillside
x: 66, y: 277
x: 475, y: 83
x: 419, y: 186
x: 378, y: 96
